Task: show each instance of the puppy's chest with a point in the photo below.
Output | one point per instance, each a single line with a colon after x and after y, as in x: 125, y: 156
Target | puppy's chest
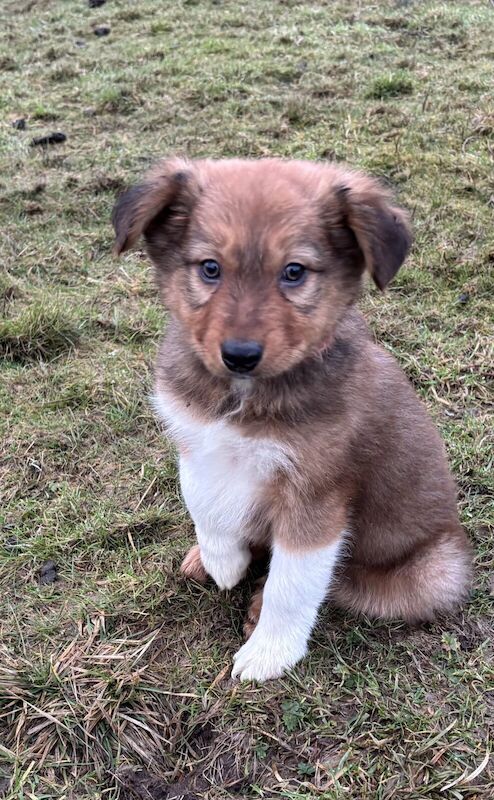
x: 222, y: 472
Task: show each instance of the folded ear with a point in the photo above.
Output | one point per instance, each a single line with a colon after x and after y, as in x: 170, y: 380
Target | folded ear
x: 167, y: 194
x: 381, y: 230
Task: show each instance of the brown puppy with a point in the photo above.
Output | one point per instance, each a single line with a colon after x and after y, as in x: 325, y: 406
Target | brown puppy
x: 294, y: 429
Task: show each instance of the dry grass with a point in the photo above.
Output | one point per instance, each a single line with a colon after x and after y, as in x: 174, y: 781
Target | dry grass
x: 113, y: 672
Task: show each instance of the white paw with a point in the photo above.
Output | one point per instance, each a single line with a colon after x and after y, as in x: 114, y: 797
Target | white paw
x: 226, y: 569
x: 264, y: 657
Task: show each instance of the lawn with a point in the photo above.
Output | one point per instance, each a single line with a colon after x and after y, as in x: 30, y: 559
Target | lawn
x: 114, y: 673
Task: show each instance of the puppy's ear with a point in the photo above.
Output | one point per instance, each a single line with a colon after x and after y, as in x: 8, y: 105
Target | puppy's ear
x: 381, y: 230
x: 166, y: 195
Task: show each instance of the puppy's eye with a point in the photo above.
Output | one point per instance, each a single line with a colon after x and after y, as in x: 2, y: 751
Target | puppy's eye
x: 209, y: 270
x: 293, y: 274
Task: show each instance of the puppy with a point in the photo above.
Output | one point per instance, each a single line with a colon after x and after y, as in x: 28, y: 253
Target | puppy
x: 295, y: 431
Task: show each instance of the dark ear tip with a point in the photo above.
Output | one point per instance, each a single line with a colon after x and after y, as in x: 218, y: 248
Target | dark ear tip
x: 391, y: 245
x: 122, y: 201
x: 122, y: 217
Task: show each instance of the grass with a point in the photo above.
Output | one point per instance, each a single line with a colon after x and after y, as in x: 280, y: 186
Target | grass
x: 114, y: 677
x: 40, y: 331
x: 391, y: 86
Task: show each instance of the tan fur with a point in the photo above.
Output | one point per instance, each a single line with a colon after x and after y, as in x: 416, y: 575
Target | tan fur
x: 431, y: 580
x: 192, y: 566
x: 365, y: 456
x: 254, y: 610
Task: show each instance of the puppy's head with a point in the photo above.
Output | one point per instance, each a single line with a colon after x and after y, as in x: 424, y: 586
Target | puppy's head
x: 260, y: 259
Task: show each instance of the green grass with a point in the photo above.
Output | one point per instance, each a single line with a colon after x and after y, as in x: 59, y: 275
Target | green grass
x: 119, y: 665
x: 391, y: 86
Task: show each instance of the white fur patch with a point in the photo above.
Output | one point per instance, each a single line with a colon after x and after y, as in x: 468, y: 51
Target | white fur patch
x: 222, y: 474
x: 296, y: 586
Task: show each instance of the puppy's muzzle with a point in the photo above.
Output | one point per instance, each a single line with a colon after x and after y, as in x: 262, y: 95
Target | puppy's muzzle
x: 240, y: 356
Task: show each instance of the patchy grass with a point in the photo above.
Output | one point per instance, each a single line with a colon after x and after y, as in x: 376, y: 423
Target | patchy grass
x: 40, y: 331
x: 114, y: 674
x: 391, y: 86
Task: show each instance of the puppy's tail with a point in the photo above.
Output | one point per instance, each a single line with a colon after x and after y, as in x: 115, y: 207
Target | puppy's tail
x: 435, y: 579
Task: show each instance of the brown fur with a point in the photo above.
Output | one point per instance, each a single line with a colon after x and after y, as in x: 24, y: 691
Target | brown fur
x: 254, y: 610
x: 367, y: 458
x: 192, y: 568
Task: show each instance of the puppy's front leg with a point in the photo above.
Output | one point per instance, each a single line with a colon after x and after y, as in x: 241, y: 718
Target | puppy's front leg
x: 224, y: 554
x: 296, y: 586
x: 219, y: 524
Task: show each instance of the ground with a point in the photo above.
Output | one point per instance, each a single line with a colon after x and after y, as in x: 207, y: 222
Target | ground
x: 114, y: 672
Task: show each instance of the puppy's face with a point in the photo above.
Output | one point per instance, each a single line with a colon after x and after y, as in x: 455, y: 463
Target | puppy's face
x: 259, y: 259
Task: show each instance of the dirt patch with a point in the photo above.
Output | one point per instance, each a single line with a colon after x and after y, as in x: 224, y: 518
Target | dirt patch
x: 142, y: 785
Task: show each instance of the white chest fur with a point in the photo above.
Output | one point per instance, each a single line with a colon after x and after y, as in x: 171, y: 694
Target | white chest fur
x: 222, y: 475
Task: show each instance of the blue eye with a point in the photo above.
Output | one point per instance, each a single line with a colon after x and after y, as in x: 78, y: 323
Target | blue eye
x: 293, y: 274
x: 209, y: 270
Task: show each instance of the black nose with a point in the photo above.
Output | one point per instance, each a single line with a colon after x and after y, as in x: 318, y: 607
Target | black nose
x: 241, y: 356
